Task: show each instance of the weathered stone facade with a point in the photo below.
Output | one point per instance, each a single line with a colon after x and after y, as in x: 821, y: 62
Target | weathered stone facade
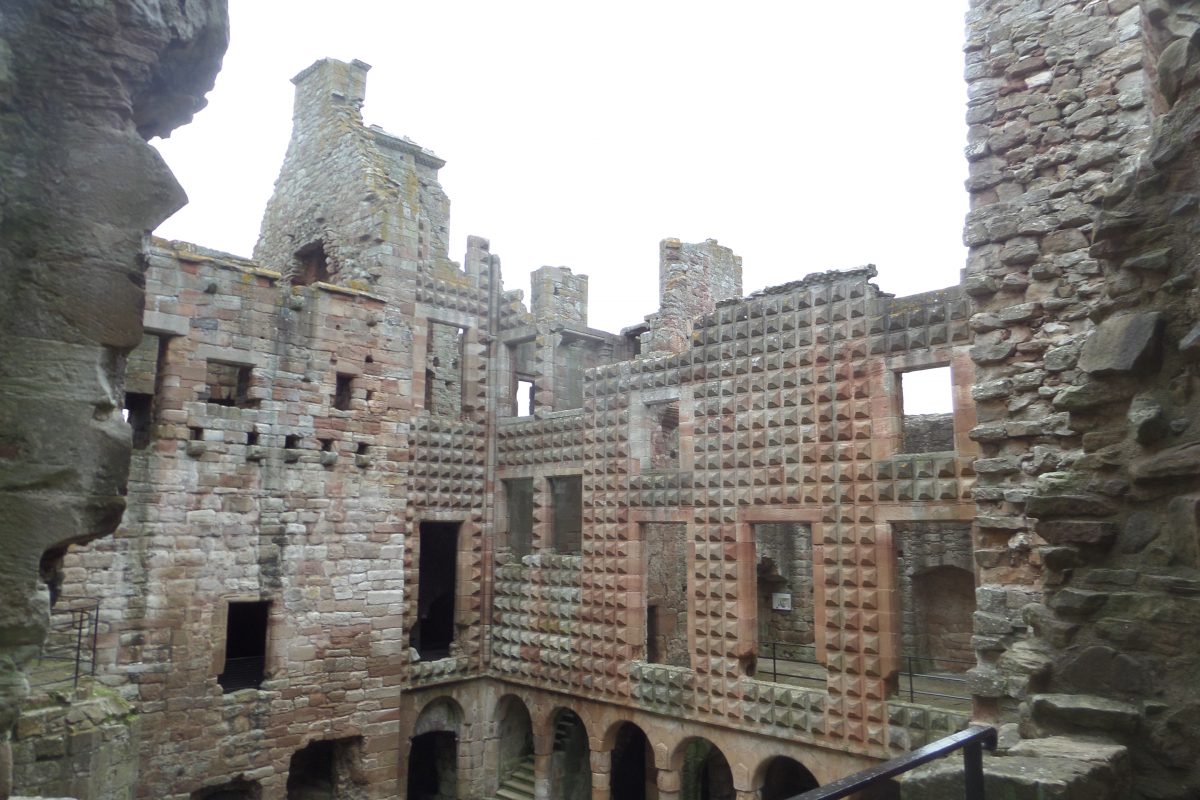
x: 356, y: 562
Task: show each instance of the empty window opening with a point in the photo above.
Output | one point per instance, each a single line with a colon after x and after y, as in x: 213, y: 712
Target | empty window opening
x: 251, y: 438
x: 927, y: 410
x: 239, y: 789
x: 525, y: 391
x: 326, y: 445
x: 245, y: 646
x: 437, y: 583
x: 229, y: 384
x: 312, y: 264
x: 664, y: 435
x: 705, y: 773
x: 196, y: 434
x: 633, y: 776
x: 362, y: 449
x: 139, y: 413
x: 433, y: 767
x: 291, y: 442
x: 786, y: 777
x: 570, y: 761
x: 343, y: 392
x: 443, y: 370
x: 666, y: 593
x: 518, y: 500
x: 566, y: 511
x: 783, y: 589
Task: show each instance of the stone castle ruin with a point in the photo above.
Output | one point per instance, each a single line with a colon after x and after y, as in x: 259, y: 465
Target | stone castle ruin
x: 391, y: 531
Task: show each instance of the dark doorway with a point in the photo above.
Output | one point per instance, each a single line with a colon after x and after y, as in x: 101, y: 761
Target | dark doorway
x: 437, y: 574
x: 633, y: 774
x: 570, y: 763
x: 310, y: 774
x: 237, y: 789
x: 706, y: 773
x: 786, y: 777
x: 433, y: 767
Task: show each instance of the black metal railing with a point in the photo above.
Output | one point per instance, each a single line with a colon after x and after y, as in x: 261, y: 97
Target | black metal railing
x: 971, y: 741
x: 69, y: 652
x: 774, y: 658
x: 913, y: 663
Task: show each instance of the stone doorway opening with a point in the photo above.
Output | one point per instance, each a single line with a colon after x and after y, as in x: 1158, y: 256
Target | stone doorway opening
x: 937, y: 594
x: 785, y: 777
x: 437, y: 579
x: 784, y: 596
x: 326, y: 770
x: 236, y: 789
x: 633, y: 775
x: 705, y: 772
x: 570, y: 761
x: 513, y: 739
x: 433, y: 766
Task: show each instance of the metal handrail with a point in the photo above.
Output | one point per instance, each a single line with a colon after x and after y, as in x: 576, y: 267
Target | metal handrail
x: 971, y: 741
x: 73, y: 629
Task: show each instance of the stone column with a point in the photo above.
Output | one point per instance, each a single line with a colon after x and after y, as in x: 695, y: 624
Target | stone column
x: 601, y: 774
x: 541, y: 775
x: 744, y: 794
x: 668, y: 784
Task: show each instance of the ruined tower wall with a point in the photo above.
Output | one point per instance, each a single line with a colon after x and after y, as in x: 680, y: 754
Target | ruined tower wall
x: 280, y: 497
x: 1057, y: 107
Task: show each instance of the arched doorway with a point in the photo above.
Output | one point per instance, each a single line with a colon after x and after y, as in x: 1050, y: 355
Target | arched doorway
x: 705, y: 772
x: 785, y: 777
x: 514, y: 743
x: 633, y: 775
x: 433, y: 752
x: 570, y: 763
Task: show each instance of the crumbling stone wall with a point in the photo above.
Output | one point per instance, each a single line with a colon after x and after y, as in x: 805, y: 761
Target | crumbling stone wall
x: 692, y: 279
x: 81, y: 89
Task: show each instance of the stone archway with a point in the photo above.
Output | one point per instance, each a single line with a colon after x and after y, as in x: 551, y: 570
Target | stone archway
x: 570, y: 760
x: 704, y: 771
x: 782, y: 777
x: 632, y: 774
x: 433, y: 752
x: 513, y: 733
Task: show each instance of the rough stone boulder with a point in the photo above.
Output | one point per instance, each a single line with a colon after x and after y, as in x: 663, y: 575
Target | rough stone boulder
x: 82, y: 86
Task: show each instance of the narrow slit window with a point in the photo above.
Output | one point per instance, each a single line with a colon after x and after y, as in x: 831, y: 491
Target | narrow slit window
x: 245, y: 646
x: 524, y: 398
x: 518, y: 496
x: 343, y: 391
x: 566, y: 495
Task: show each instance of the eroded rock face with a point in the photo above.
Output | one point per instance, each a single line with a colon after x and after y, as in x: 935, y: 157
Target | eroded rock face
x: 82, y: 86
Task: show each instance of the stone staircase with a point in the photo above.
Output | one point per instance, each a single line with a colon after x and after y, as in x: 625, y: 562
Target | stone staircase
x: 519, y: 783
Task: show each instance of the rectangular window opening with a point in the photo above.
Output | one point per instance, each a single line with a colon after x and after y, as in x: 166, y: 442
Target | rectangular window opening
x: 139, y: 413
x: 664, y: 435
x: 525, y: 390
x: 518, y: 497
x: 343, y: 391
x: 437, y: 584
x: 783, y: 573
x: 229, y: 384
x: 566, y: 494
x: 665, y: 563
x: 927, y: 410
x: 444, y: 369
x: 245, y: 646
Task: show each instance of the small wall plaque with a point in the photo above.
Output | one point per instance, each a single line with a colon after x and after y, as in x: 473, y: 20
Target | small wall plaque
x: 781, y: 601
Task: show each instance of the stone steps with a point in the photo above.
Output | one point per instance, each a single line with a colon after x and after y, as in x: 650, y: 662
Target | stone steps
x: 519, y: 784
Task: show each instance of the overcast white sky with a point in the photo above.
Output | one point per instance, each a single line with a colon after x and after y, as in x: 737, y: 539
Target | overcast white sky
x: 806, y: 136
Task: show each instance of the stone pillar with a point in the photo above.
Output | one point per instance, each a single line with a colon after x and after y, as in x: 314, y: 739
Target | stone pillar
x: 669, y: 782
x: 601, y: 774
x: 692, y: 279
x: 541, y: 775
x: 744, y: 794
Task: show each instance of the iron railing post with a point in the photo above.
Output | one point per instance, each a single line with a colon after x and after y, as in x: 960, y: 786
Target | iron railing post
x: 774, y: 664
x: 973, y: 770
x: 77, y: 618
